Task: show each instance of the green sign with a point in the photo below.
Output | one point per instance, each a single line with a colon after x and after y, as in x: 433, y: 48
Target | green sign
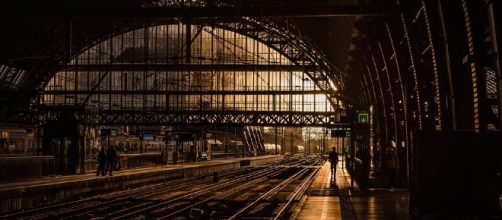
x: 363, y: 118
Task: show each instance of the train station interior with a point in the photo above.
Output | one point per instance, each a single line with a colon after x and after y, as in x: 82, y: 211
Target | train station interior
x: 251, y: 109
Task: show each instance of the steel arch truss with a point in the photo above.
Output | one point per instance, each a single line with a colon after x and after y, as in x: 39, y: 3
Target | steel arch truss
x: 280, y: 34
x: 257, y: 104
x: 283, y: 36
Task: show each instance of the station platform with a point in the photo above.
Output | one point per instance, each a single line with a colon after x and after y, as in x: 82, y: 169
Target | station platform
x: 17, y: 195
x: 333, y: 198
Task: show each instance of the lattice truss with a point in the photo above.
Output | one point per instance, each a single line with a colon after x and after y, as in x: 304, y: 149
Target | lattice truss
x: 199, y: 72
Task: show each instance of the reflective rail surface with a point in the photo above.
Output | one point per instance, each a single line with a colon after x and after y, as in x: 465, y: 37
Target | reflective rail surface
x: 264, y: 191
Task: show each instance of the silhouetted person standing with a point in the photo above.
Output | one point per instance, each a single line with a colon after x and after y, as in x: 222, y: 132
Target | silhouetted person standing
x: 333, y: 160
x: 101, y: 162
x: 175, y: 157
x: 192, y: 153
x: 181, y: 156
x: 365, y: 167
x: 391, y: 163
x: 111, y: 155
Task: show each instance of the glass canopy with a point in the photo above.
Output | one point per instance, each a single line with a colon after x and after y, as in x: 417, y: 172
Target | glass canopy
x: 182, y: 67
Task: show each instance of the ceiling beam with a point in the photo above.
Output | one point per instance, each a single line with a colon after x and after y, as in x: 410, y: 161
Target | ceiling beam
x: 180, y: 92
x: 206, y: 11
x: 187, y: 67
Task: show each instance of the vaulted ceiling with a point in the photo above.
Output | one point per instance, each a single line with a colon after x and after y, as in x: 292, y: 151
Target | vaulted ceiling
x: 39, y: 44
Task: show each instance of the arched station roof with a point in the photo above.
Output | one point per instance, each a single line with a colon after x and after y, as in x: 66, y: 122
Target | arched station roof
x: 32, y: 61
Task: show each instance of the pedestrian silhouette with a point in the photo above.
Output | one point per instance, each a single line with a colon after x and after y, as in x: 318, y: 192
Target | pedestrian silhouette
x: 111, y: 156
x: 333, y: 160
x: 392, y: 164
x: 101, y: 162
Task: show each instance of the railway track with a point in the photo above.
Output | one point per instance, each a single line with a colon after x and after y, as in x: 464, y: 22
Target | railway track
x: 266, y: 192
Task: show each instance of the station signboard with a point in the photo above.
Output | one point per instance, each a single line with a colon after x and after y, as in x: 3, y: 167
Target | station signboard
x: 108, y: 132
x: 340, y: 132
x: 182, y: 136
x: 147, y: 137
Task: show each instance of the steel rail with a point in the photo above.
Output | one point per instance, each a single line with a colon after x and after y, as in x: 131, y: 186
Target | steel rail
x: 300, y: 190
x: 230, y: 192
x: 271, y: 192
x: 121, y: 196
x: 116, y: 197
x: 197, y: 193
x: 220, y: 196
x: 156, y: 191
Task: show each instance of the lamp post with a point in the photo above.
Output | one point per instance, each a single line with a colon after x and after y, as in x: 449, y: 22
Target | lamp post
x: 275, y: 140
x: 207, y: 146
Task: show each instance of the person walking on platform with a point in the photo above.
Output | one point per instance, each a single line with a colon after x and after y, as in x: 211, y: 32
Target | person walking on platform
x: 333, y: 160
x: 101, y: 162
x: 110, y: 156
x: 391, y: 163
x: 365, y: 167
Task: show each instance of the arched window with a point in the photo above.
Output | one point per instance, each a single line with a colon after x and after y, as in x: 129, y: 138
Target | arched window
x: 181, y: 68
